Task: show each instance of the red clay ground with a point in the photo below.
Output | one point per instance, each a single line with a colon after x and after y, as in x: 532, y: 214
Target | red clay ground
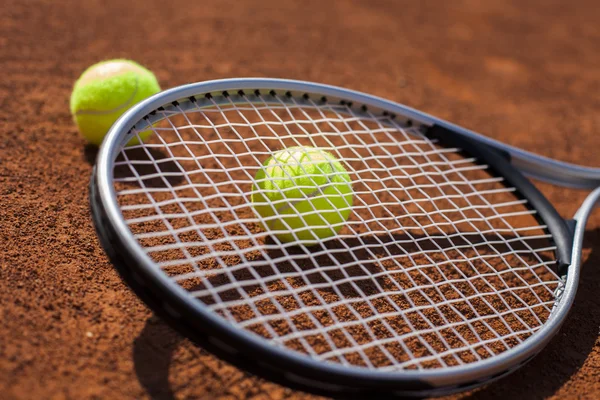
x: 525, y: 74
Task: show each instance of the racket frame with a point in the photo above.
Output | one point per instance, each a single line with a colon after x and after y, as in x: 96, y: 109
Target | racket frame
x: 255, y: 354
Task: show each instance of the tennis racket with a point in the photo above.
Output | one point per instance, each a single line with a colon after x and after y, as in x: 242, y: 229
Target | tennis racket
x: 451, y: 271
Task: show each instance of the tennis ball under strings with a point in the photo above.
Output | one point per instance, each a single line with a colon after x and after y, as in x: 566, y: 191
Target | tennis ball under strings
x: 303, y: 194
x: 105, y: 91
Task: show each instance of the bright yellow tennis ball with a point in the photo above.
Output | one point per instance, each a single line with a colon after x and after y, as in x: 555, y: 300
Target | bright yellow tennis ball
x: 105, y: 91
x: 302, y: 194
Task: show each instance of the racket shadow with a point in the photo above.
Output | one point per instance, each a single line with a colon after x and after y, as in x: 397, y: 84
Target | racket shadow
x: 142, y: 162
x: 152, y: 356
x: 366, y: 266
x: 153, y: 349
x: 568, y: 351
x: 368, y: 256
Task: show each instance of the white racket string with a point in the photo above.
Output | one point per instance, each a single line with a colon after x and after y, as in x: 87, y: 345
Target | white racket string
x: 441, y: 263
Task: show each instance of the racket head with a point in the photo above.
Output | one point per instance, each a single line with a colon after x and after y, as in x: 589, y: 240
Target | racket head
x: 250, y: 351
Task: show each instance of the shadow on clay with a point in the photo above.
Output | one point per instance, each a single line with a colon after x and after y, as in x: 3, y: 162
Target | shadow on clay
x: 554, y: 366
x: 325, y: 269
x: 540, y: 378
x: 145, y: 163
x: 152, y: 353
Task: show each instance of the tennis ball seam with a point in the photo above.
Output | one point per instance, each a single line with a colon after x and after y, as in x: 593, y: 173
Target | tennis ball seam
x: 314, y: 193
x: 307, y: 213
x: 288, y: 205
x: 119, y: 107
x: 104, y: 92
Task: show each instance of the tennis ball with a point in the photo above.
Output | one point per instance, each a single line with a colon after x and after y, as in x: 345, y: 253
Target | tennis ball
x: 302, y: 194
x: 105, y: 91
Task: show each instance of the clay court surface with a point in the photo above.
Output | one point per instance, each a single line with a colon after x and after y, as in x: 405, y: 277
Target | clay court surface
x: 526, y: 74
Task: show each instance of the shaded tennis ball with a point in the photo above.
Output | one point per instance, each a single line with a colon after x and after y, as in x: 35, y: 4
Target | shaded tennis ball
x: 304, y: 193
x: 105, y: 91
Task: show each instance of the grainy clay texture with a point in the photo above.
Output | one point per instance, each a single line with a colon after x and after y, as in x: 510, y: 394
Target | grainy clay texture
x: 521, y: 72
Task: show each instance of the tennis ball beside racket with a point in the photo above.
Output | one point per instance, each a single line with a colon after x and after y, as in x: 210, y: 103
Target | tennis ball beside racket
x: 105, y: 91
x: 302, y: 194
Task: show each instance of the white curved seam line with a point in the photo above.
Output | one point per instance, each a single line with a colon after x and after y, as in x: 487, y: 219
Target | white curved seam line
x: 117, y: 108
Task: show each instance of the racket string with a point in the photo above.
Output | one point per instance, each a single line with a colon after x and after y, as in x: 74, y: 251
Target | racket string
x: 315, y: 321
x: 506, y: 224
x: 434, y: 268
x: 365, y: 145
